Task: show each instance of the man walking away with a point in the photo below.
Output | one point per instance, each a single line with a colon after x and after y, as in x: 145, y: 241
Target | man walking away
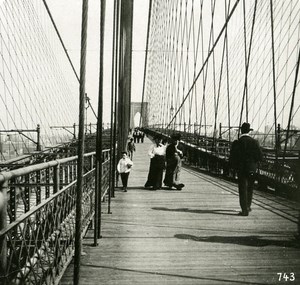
x: 245, y: 155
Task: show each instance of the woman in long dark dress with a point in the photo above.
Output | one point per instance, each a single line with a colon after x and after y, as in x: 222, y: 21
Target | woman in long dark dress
x: 157, y: 164
x: 173, y: 159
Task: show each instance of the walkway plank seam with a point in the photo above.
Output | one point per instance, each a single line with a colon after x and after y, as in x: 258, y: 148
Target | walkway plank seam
x: 193, y: 236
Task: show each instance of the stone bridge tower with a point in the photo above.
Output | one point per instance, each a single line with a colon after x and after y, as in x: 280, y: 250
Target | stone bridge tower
x: 142, y: 109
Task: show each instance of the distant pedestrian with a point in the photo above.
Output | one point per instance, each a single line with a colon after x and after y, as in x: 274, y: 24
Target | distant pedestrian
x: 138, y: 136
x: 142, y: 136
x: 135, y: 135
x: 124, y: 166
x: 130, y: 148
x: 173, y: 168
x: 245, y: 155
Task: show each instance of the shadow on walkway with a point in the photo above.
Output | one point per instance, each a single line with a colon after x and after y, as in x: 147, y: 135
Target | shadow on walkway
x: 255, y: 241
x: 162, y: 274
x: 147, y: 188
x: 186, y: 210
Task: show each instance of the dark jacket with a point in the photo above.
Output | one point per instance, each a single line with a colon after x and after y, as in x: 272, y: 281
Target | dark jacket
x: 170, y: 152
x: 245, y: 154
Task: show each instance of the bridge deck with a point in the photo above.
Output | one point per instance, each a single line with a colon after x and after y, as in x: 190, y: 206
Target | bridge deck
x: 193, y: 236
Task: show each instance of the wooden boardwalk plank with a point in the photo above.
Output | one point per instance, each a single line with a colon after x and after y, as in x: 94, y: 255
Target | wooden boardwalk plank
x: 193, y: 236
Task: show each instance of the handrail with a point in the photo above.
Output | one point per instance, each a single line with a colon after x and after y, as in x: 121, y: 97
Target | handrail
x: 7, y: 175
x: 45, y: 223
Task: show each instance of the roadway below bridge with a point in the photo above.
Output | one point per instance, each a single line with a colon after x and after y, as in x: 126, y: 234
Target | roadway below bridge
x: 192, y: 236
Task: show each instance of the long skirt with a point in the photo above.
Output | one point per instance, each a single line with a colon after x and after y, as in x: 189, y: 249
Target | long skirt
x: 155, y: 175
x: 173, y: 170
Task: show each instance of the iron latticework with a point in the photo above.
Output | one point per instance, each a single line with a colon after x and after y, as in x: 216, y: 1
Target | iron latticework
x: 37, y: 243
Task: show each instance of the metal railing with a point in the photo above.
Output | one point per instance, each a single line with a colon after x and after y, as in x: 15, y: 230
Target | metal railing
x: 37, y: 218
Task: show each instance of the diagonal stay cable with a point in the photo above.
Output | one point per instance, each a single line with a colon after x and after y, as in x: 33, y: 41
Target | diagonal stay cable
x: 60, y: 38
x: 146, y: 62
x: 292, y: 105
x: 247, y: 58
x: 64, y: 47
x: 206, y: 61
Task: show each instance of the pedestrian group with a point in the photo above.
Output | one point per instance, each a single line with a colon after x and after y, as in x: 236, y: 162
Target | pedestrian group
x: 165, y: 156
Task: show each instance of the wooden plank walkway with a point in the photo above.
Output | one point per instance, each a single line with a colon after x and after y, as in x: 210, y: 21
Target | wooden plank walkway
x: 193, y: 236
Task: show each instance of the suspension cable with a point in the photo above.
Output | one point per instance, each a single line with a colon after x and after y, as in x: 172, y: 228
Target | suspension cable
x: 60, y: 38
x: 206, y: 60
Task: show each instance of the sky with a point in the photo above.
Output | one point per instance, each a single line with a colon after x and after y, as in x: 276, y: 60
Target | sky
x: 67, y: 16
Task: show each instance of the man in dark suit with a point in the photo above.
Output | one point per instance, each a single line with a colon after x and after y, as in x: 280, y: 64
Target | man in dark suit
x: 245, y: 154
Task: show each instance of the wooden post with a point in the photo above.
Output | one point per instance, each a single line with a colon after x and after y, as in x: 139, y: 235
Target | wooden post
x: 38, y: 144
x: 55, y: 178
x: 47, y: 187
x: 74, y: 131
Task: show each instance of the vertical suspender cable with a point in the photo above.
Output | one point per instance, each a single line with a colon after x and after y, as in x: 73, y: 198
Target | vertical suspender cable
x: 125, y: 64
x: 274, y: 83
x: 145, y: 64
x: 195, y: 48
x: 100, y: 119
x: 204, y: 73
x: 292, y: 106
x: 213, y: 5
x: 245, y: 95
x: 111, y: 145
x: 98, y: 165
x: 116, y: 90
x: 178, y: 64
x: 245, y: 90
x: 130, y: 63
x: 218, y: 94
x: 120, y: 115
x: 80, y: 142
x: 206, y: 61
x: 227, y: 74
